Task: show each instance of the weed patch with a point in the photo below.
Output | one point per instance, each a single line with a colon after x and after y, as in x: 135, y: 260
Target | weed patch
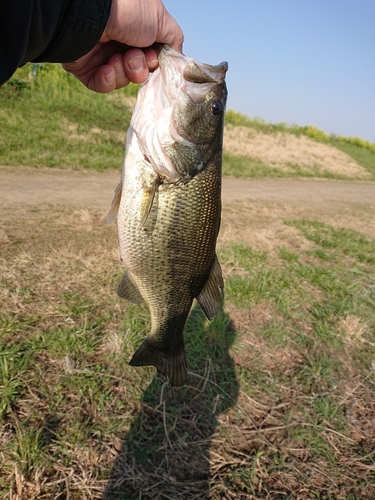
x: 55, y: 121
x: 279, y: 397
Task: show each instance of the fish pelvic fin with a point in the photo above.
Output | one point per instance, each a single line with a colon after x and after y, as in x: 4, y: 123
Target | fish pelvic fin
x: 170, y: 364
x: 149, y: 197
x: 211, y: 297
x: 128, y: 290
x: 113, y: 211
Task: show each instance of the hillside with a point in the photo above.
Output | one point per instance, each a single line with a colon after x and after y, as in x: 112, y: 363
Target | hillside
x: 283, y: 153
x: 55, y: 122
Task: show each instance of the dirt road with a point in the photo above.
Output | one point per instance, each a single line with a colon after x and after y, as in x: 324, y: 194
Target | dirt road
x: 30, y: 186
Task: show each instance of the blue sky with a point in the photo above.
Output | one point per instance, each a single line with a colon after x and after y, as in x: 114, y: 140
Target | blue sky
x: 296, y: 61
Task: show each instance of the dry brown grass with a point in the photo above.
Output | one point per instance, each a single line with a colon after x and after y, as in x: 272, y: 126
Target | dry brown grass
x: 92, y: 135
x: 260, y: 224
x: 353, y: 330
x: 281, y: 150
x: 218, y: 439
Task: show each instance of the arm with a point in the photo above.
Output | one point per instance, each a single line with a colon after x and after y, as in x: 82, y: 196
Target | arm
x: 48, y: 31
x: 103, y: 37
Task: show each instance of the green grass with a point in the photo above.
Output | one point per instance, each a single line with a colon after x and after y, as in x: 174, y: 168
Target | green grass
x: 346, y: 241
x: 312, y: 290
x: 280, y: 384
x: 310, y: 298
x: 55, y: 121
x: 49, y: 122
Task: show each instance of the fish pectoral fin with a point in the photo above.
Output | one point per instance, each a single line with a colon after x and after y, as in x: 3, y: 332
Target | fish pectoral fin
x: 211, y: 296
x: 170, y: 364
x: 113, y: 211
x: 128, y: 290
x: 148, y: 200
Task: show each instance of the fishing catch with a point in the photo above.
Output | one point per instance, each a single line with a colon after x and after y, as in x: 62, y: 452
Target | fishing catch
x: 168, y: 204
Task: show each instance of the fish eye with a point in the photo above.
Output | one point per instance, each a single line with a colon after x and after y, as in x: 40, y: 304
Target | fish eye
x: 216, y: 108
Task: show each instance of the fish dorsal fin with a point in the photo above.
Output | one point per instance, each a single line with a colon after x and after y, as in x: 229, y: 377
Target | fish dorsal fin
x: 211, y: 296
x: 113, y: 211
x: 148, y: 200
x: 128, y: 290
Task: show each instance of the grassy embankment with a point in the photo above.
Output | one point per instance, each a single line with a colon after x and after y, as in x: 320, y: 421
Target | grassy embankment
x: 280, y: 396
x: 56, y: 122
x: 362, y: 152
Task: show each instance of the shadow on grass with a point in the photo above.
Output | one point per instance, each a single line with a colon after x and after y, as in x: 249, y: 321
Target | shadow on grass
x: 166, y: 453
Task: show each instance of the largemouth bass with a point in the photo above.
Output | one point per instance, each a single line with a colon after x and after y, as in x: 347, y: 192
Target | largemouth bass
x: 169, y: 205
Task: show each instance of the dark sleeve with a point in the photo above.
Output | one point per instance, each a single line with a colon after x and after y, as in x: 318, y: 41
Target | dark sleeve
x: 48, y: 31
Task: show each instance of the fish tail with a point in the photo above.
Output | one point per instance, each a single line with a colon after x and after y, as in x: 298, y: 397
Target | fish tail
x: 170, y: 364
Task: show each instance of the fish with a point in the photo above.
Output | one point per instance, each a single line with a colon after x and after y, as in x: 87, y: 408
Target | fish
x: 168, y: 204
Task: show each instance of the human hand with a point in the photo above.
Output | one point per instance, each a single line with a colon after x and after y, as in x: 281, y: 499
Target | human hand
x: 124, y: 53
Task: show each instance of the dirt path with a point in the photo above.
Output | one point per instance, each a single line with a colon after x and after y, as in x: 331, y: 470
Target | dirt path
x: 30, y: 186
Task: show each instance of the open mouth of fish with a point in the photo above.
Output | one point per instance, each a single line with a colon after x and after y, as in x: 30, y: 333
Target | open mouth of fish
x: 178, y: 77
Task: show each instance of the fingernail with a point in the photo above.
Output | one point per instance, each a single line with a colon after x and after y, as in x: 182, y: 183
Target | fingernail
x: 136, y: 64
x: 119, y: 68
x: 153, y: 64
x: 110, y: 78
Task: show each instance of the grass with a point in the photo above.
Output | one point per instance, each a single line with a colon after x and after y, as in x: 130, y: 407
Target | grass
x: 363, y: 152
x: 235, y: 118
x: 55, y: 121
x: 236, y: 165
x: 280, y: 395
x: 279, y: 399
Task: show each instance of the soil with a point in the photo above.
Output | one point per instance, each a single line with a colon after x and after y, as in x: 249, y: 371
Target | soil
x: 29, y: 186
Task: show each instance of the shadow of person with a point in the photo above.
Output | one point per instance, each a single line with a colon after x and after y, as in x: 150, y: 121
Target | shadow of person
x: 166, y: 453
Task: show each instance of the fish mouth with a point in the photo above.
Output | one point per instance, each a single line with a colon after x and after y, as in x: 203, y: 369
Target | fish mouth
x: 153, y: 118
x: 185, y: 73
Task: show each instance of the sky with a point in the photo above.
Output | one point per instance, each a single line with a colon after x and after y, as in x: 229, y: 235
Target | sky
x: 309, y: 62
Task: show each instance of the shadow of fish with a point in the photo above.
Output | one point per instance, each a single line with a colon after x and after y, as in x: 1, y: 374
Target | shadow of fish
x: 168, y: 204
